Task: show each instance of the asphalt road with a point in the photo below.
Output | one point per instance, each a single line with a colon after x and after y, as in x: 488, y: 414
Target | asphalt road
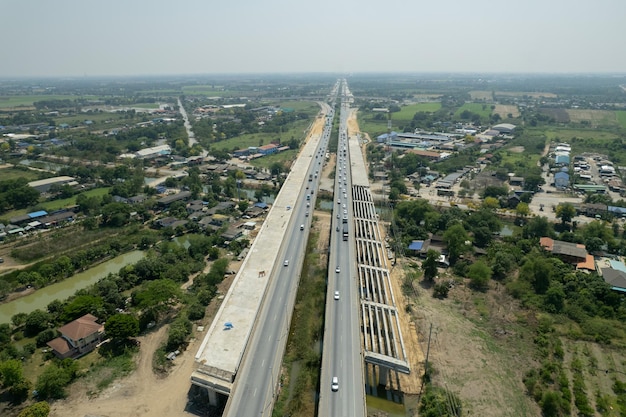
x: 342, y: 345
x: 257, y: 378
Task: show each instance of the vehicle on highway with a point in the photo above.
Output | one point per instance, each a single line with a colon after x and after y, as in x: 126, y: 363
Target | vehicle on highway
x: 337, y: 270
x: 336, y: 295
x: 286, y: 262
x: 335, y: 384
x: 301, y: 227
x: 288, y: 208
x: 338, y: 201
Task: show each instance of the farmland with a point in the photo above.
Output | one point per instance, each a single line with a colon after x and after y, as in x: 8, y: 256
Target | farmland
x: 407, y: 112
x: 484, y: 110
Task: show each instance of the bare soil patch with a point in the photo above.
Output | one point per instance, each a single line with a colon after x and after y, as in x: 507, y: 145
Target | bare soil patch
x: 478, y: 349
x: 517, y: 149
x: 505, y: 109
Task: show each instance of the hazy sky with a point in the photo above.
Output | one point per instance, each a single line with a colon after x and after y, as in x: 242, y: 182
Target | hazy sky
x: 137, y: 37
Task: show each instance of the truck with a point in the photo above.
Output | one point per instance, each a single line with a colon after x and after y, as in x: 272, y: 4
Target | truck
x: 345, y: 231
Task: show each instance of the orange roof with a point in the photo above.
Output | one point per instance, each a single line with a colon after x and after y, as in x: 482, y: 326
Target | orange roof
x: 81, y: 327
x: 546, y: 243
x: 589, y: 263
x: 60, y: 345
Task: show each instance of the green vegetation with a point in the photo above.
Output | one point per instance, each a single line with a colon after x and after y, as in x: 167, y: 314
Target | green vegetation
x: 621, y: 118
x: 483, y: 110
x: 29, y: 100
x: 10, y: 174
x: 406, y: 113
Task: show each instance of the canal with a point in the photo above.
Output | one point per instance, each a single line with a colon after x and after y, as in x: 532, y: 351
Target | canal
x: 64, y: 289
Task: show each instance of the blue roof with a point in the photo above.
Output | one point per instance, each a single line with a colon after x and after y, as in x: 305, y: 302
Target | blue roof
x: 416, y: 245
x: 617, y: 265
x: 615, y: 209
x: 561, y: 175
x: 261, y: 205
x: 36, y: 214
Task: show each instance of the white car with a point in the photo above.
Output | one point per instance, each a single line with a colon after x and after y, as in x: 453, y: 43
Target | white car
x: 336, y: 295
x: 337, y: 270
x: 335, y: 384
x: 286, y: 262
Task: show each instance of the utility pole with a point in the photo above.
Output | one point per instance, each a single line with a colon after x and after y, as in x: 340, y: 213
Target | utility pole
x: 430, y: 332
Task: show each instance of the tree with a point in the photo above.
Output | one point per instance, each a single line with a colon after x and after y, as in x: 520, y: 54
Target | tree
x: 81, y: 305
x: 121, y: 326
x: 522, y: 210
x: 39, y: 409
x: 11, y: 372
x: 532, y: 182
x: 430, y: 265
x: 565, y: 212
x: 36, y: 321
x: 456, y: 239
x: 51, y: 383
x: 491, y: 203
x: 479, y: 274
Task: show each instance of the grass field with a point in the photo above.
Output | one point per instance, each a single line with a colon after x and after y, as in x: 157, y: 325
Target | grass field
x: 595, y: 117
x: 210, y: 91
x: 282, y: 157
x: 12, y: 173
x: 481, y: 95
x: 484, y: 110
x: 621, y: 118
x: 296, y: 130
x: 28, y: 100
x: 56, y: 204
x: 407, y: 112
x: 97, y: 118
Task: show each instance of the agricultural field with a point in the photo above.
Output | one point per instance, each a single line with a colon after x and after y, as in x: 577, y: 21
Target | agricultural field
x: 407, y: 112
x: 530, y: 94
x: 295, y: 130
x: 481, y: 95
x: 281, y: 157
x: 57, y: 204
x: 484, y: 110
x: 7, y: 102
x: 212, y: 91
x: 594, y: 117
x: 621, y: 118
x: 14, y: 173
x: 505, y: 109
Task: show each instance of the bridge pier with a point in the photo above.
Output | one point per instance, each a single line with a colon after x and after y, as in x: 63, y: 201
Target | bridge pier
x: 213, y: 399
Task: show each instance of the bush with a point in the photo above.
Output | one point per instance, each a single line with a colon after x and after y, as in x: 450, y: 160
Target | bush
x: 441, y: 290
x: 46, y: 336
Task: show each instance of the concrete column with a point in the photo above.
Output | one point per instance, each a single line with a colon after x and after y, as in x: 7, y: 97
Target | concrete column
x: 212, y: 397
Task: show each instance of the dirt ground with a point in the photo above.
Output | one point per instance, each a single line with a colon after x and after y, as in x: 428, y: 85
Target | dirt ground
x: 143, y: 393
x: 478, y: 349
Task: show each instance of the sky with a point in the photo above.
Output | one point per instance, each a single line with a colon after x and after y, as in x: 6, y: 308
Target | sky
x: 53, y: 38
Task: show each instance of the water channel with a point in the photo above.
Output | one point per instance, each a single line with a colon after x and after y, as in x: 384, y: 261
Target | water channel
x: 64, y: 289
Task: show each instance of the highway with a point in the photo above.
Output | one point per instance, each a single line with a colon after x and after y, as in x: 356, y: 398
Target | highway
x: 342, y: 356
x: 255, y: 386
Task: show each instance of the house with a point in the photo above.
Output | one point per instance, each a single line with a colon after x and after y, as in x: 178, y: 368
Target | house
x: 572, y: 253
x: 167, y: 200
x: 232, y: 233
x: 419, y: 247
x: 516, y: 181
x: 615, y: 278
x: 78, y: 337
